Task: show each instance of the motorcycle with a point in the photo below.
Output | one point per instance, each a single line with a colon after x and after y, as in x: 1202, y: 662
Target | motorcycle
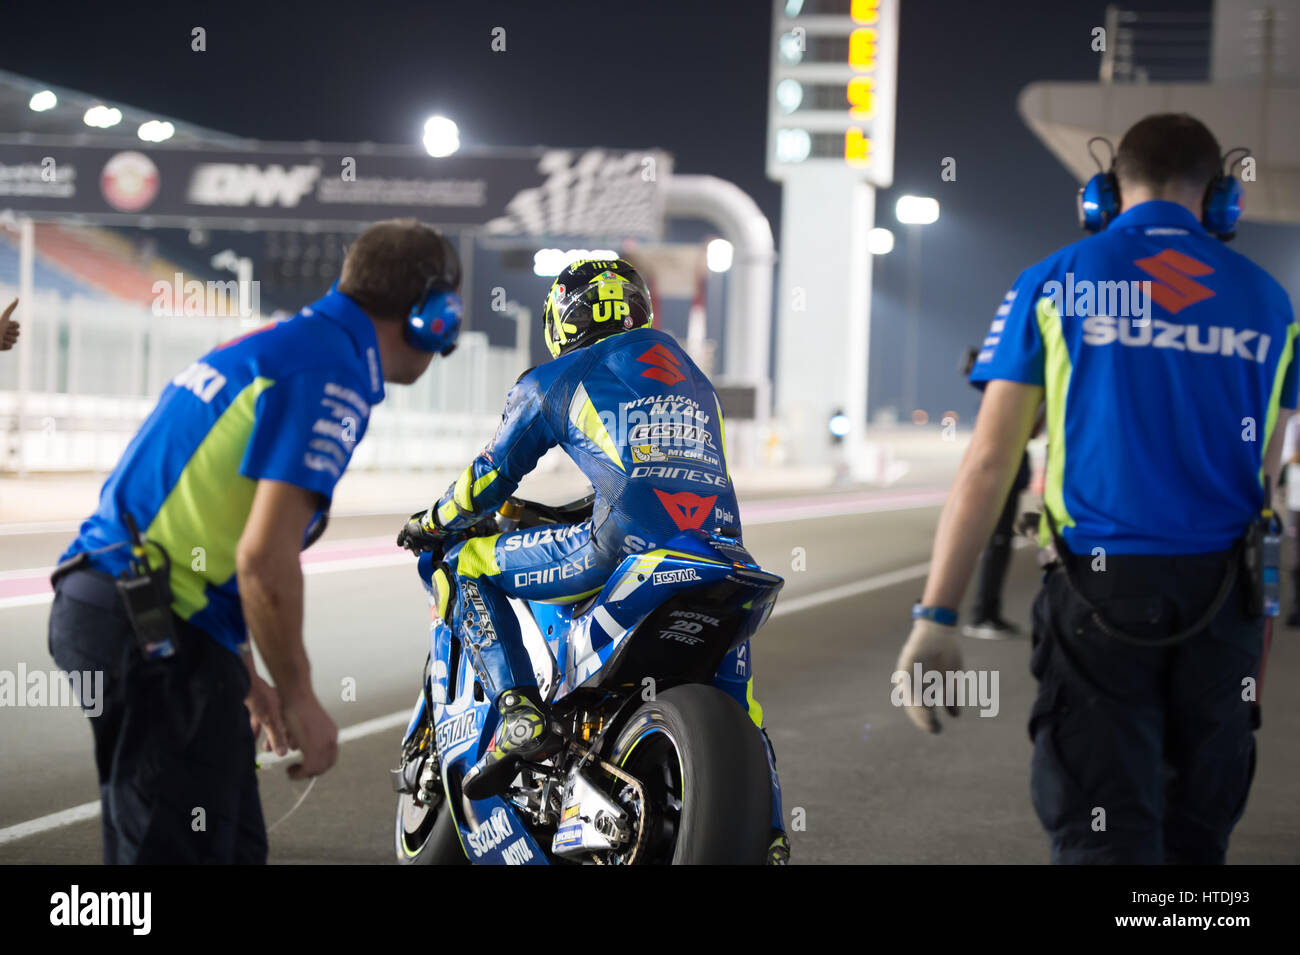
x: 657, y: 767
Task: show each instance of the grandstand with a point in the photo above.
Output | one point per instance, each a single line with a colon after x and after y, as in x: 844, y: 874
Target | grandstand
x: 97, y: 347
x: 91, y: 262
x: 49, y: 276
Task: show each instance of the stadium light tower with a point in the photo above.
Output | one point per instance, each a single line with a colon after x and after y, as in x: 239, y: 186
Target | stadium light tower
x: 441, y: 136
x: 102, y: 117
x: 156, y: 131
x: 880, y: 241
x: 719, y: 254
x: 830, y: 142
x: 914, y: 212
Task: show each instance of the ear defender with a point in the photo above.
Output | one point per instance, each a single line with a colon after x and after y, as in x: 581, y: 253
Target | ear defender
x: 1099, y: 200
x: 434, y: 322
x: 1221, y: 207
x: 1099, y: 197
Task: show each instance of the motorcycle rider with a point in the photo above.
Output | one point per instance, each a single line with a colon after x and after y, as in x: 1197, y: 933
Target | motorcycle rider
x: 645, y: 426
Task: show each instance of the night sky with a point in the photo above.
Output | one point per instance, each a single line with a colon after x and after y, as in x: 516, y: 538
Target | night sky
x: 689, y: 76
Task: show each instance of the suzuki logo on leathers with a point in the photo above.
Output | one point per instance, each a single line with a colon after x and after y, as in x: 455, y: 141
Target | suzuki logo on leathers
x: 688, y: 511
x: 668, y: 368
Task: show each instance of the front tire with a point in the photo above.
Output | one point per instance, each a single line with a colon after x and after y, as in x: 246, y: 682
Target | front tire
x: 700, y: 759
x: 432, y: 840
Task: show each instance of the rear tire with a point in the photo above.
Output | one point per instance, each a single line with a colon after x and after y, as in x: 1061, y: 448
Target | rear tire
x: 720, y: 782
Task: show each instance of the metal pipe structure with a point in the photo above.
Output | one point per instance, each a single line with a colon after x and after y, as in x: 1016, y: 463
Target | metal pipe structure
x: 26, y: 289
x: 748, y: 328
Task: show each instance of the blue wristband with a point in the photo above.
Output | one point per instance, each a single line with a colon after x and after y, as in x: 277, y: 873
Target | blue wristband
x: 942, y: 615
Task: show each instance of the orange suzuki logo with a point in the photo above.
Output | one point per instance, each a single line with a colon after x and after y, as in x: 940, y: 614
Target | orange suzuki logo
x: 688, y: 511
x: 1174, y: 289
x: 667, y: 368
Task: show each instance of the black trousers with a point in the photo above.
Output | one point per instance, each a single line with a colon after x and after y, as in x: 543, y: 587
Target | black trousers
x: 173, y: 745
x: 1142, y: 754
x: 995, y: 560
x: 1293, y: 519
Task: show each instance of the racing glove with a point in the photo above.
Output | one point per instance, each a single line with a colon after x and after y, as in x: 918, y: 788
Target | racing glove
x: 934, y: 646
x: 422, y: 532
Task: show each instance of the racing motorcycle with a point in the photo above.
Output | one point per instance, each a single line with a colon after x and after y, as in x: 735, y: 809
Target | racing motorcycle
x: 658, y: 766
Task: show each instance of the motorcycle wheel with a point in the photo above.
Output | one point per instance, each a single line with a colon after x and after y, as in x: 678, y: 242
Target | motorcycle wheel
x: 699, y: 757
x: 426, y: 835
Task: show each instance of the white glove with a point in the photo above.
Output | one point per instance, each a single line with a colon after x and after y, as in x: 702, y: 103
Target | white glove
x: 934, y: 647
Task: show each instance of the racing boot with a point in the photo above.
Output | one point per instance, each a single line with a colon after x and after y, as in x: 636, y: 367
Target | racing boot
x: 525, y: 732
x: 778, y: 851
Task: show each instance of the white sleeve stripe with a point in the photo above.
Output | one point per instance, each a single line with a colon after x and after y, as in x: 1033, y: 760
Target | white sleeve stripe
x: 328, y: 447
x: 318, y: 463
x: 348, y: 395
x: 335, y: 431
x: 340, y: 410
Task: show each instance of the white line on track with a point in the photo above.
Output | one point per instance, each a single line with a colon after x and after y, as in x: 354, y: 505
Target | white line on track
x: 844, y: 591
x: 90, y: 810
x: 319, y: 560
x: 28, y: 528
x: 817, y: 505
x: 769, y: 511
x: 55, y: 820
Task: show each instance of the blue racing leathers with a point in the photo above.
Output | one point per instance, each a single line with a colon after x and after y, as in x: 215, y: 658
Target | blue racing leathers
x: 645, y: 426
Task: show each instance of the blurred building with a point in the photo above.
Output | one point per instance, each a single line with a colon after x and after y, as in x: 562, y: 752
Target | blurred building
x: 1237, y: 68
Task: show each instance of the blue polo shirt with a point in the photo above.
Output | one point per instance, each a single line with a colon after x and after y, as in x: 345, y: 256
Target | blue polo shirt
x: 1165, y: 357
x: 288, y: 402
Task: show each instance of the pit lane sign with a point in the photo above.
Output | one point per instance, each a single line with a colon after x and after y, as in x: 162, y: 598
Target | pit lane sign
x: 592, y: 192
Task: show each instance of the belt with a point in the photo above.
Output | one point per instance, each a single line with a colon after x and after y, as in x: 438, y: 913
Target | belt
x: 1068, y: 565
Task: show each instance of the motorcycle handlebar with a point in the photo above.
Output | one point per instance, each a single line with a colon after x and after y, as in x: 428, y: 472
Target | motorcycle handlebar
x: 521, y: 513
x: 518, y: 512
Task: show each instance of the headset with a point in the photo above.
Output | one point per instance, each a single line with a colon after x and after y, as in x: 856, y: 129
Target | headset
x: 1099, y: 200
x: 434, y: 322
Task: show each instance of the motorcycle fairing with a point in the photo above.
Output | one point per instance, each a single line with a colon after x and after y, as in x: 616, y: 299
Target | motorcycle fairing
x: 697, y: 578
